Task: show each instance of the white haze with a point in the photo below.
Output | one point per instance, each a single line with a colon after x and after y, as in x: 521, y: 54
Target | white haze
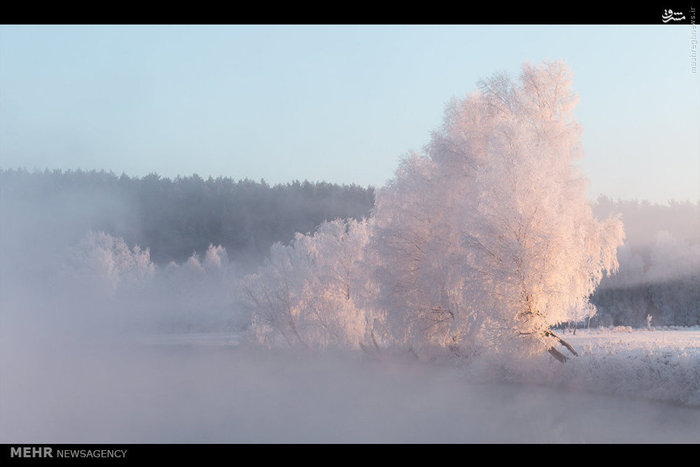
x: 96, y: 346
x: 54, y: 393
x: 81, y: 364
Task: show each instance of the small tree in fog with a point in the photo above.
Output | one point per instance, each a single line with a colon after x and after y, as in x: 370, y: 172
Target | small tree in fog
x: 313, y: 292
x: 487, y: 240
x: 107, y: 263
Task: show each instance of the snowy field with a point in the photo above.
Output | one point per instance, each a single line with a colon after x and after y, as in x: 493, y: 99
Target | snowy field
x: 633, y: 387
x: 656, y: 364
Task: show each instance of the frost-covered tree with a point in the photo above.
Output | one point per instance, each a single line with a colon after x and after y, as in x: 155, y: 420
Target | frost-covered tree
x: 418, y: 262
x: 314, y: 293
x: 106, y: 263
x: 486, y: 239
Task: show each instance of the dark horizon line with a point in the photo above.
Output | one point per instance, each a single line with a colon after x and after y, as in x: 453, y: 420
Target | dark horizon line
x: 291, y: 182
x: 179, y: 176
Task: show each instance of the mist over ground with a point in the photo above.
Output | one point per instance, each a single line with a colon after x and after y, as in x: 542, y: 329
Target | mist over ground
x: 187, y: 393
x: 101, y: 343
x: 46, y: 215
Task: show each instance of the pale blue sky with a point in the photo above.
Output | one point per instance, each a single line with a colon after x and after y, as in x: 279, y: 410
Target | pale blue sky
x: 335, y: 103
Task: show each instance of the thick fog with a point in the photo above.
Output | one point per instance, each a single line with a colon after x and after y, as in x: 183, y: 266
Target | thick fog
x: 210, y: 394
x: 81, y: 302
x: 95, y: 349
x: 147, y: 253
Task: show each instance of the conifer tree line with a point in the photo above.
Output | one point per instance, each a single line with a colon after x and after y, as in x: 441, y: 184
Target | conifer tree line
x: 176, y: 217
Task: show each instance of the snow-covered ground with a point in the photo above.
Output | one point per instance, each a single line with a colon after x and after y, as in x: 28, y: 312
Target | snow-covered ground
x: 623, y: 337
x: 640, y: 386
x: 658, y: 364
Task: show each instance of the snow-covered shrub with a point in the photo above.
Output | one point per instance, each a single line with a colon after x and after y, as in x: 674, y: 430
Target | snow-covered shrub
x: 314, y: 291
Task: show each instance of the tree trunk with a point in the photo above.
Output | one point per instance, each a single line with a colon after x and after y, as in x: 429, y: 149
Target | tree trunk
x: 555, y: 353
